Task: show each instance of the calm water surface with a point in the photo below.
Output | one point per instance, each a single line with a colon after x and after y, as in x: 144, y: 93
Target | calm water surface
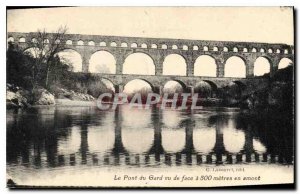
x: 78, y: 138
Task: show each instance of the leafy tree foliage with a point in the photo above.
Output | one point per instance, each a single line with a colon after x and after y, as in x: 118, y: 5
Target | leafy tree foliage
x: 19, y: 67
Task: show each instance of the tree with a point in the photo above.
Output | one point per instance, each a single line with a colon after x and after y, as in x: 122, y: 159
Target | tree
x: 18, y: 67
x: 45, y: 48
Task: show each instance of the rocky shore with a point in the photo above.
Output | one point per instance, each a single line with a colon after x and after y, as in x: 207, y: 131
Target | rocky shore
x: 17, y: 97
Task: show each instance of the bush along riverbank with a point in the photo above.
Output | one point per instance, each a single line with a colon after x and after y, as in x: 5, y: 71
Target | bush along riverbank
x: 277, y: 97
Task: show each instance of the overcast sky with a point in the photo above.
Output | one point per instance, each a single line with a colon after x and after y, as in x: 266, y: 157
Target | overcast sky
x: 264, y: 24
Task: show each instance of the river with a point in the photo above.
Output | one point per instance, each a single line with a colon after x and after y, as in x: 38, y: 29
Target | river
x: 56, y: 146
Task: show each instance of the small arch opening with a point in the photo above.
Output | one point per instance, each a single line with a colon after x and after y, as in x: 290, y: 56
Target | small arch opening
x: 91, y: 43
x: 102, y: 43
x: 113, y: 44
x: 144, y: 45
x: 69, y: 42
x: 10, y: 39
x: 164, y: 46
x: 195, y: 48
x: 134, y: 45
x: 34, y: 40
x: 174, y: 47
x: 154, y: 46
x: 22, y: 40
x: 80, y: 43
x: 286, y: 51
x: 185, y: 47
x: 124, y: 44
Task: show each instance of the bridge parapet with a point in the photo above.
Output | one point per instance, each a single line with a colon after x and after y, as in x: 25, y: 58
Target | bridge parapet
x: 172, y: 44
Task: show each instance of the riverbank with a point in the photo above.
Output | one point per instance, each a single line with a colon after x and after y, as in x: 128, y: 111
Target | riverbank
x: 74, y: 103
x: 17, y: 97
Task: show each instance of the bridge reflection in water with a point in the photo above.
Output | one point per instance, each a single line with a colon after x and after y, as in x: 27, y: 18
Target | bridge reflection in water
x: 43, y: 138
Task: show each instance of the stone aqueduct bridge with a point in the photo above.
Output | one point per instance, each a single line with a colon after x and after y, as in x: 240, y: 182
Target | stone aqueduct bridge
x: 158, y: 49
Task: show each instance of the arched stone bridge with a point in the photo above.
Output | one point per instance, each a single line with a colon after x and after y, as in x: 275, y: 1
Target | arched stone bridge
x: 157, y: 82
x: 158, y: 49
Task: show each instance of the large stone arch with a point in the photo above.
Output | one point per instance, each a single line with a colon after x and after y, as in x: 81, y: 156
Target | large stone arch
x: 284, y: 61
x: 235, y: 89
x: 201, y: 68
x: 110, y: 57
x: 112, y: 82
x: 125, y: 82
x: 150, y: 64
x: 211, y: 83
x: 170, y: 87
x: 170, y: 67
x: 182, y: 83
x: 31, y: 51
x: 127, y: 54
x: 261, y: 69
x: 230, y: 67
x: 213, y: 86
x: 201, y: 87
x: 240, y: 83
x: 26, y: 47
x: 79, y: 68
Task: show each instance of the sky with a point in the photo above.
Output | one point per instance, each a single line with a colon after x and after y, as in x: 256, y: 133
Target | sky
x: 259, y: 24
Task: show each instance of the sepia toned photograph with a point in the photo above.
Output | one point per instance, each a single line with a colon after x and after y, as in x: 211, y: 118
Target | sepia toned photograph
x: 150, y: 97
